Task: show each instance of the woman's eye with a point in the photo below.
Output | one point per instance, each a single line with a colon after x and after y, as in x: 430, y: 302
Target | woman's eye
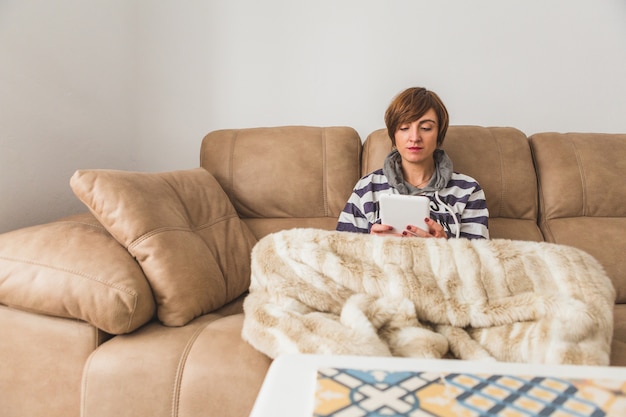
x: 427, y: 129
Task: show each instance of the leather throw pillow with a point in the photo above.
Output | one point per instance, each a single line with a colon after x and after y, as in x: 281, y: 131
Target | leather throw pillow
x: 182, y: 229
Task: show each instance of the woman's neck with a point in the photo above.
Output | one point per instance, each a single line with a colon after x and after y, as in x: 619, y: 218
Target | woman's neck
x: 418, y: 175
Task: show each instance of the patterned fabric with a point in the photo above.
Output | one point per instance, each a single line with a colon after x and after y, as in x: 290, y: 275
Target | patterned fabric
x: 462, y: 194
x: 352, y: 393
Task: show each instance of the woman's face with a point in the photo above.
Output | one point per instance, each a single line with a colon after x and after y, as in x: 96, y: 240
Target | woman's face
x: 416, y: 141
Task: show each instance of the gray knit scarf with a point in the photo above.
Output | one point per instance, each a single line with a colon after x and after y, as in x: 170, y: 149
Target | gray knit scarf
x: 392, y: 169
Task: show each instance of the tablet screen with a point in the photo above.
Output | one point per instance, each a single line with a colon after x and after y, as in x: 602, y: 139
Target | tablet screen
x: 399, y: 211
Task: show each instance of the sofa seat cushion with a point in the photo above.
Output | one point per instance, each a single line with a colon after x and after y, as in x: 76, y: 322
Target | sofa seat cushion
x: 182, y: 229
x: 42, y: 363
x: 74, y: 268
x: 203, y: 369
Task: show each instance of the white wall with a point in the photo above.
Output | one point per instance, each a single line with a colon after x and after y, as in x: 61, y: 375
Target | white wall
x: 136, y: 84
x: 67, y: 76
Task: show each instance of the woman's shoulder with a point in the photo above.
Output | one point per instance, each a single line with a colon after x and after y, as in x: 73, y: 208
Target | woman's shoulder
x: 372, y: 183
x: 376, y: 172
x: 463, y: 181
x: 374, y: 177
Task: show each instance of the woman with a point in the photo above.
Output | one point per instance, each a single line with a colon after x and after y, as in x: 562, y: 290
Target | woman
x: 417, y: 121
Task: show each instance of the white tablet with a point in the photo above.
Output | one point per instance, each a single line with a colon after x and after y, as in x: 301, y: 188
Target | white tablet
x: 399, y: 211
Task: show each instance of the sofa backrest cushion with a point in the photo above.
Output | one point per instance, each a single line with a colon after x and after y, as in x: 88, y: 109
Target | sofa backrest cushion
x: 582, y: 190
x: 73, y: 268
x: 499, y: 158
x: 182, y: 229
x: 284, y: 177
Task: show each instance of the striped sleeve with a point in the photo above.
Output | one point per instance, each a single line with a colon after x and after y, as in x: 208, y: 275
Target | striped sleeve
x: 467, y: 199
x: 361, y: 210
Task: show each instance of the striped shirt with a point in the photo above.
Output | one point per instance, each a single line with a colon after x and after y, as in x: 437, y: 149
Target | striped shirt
x: 462, y: 194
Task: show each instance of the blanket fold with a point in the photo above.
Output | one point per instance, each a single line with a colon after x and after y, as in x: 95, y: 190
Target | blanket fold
x: 317, y: 291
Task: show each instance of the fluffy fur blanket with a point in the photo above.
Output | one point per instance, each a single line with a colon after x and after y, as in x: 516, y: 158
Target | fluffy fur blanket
x: 316, y: 291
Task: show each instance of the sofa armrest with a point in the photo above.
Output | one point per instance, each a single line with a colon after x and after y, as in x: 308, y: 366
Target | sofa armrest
x: 73, y: 268
x: 581, y: 193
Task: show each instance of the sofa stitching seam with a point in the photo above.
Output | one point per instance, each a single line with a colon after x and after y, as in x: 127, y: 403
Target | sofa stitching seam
x: 359, y: 146
x: 541, y: 221
x: 98, y: 226
x: 85, y: 383
x: 180, y: 198
x: 132, y: 293
x: 139, y: 240
x: 324, y: 173
x: 581, y: 172
x: 503, y: 192
x: 180, y: 370
x: 231, y: 163
x: 73, y: 272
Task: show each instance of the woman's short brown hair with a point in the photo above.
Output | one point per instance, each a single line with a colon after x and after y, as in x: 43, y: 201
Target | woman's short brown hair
x: 410, y: 105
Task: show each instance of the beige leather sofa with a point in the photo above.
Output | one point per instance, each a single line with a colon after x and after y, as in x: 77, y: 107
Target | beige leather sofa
x: 83, y: 299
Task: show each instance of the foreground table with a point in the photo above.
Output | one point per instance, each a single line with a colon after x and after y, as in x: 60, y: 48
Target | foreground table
x: 293, y: 382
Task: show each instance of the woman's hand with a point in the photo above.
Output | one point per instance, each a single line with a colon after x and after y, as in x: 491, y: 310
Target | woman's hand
x: 434, y: 230
x: 383, y: 229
